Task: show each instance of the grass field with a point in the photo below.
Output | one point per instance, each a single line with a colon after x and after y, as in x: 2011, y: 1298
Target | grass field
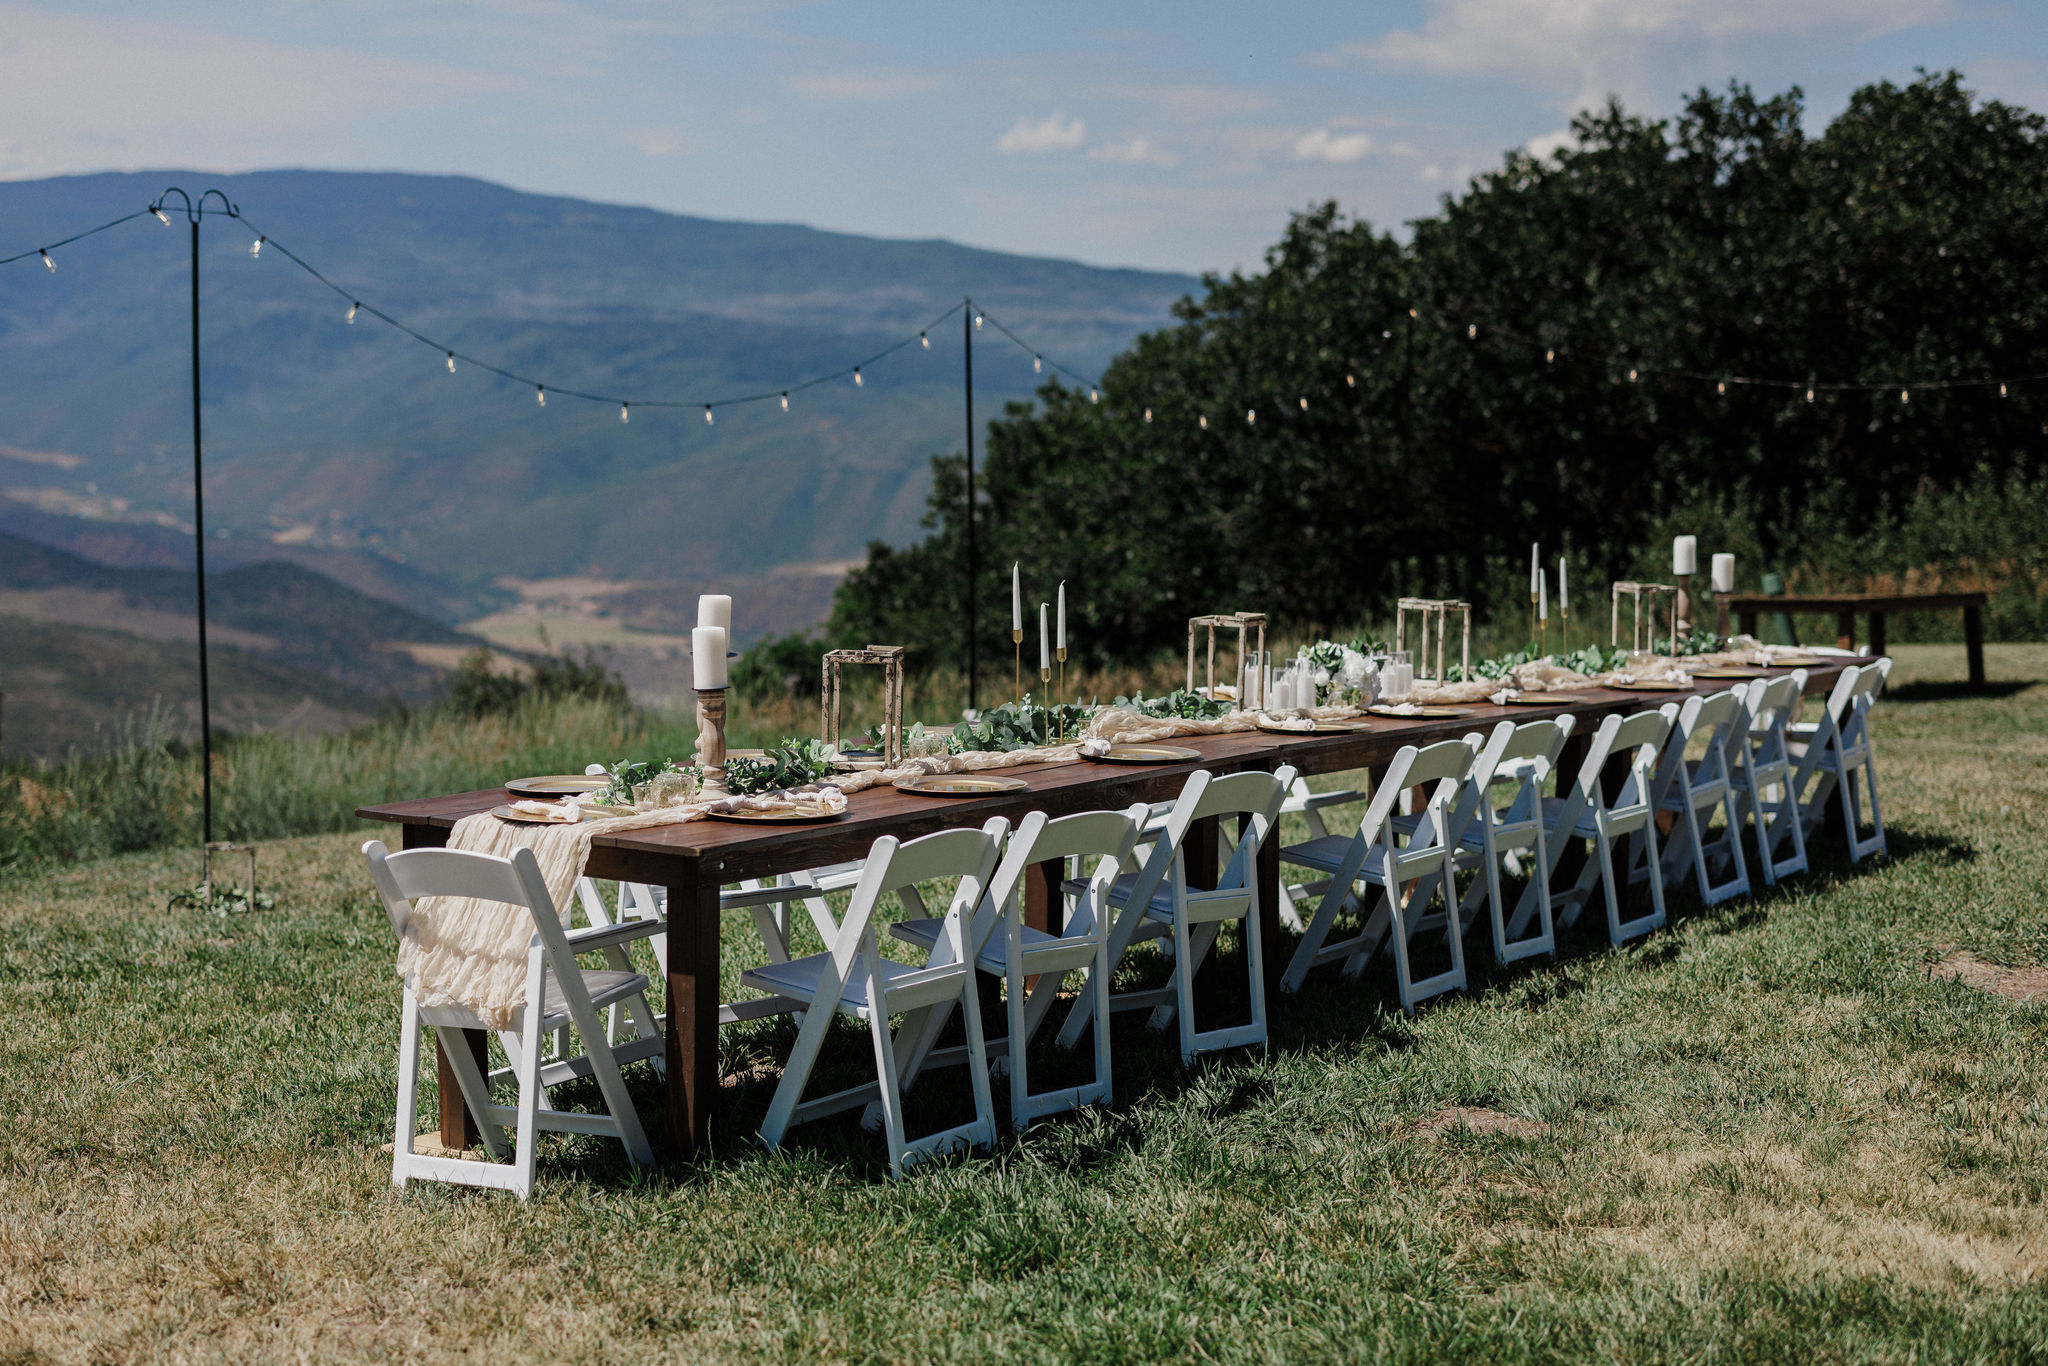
x: 1766, y: 1133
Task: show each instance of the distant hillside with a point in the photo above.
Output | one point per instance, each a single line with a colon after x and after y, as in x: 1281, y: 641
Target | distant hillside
x: 337, y: 440
x: 112, y: 640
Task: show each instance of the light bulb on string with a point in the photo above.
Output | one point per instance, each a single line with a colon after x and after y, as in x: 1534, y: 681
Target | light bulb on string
x: 160, y: 215
x: 858, y: 382
x: 1631, y: 374
x: 1350, y: 381
x: 1304, y: 404
x: 1037, y: 366
x: 1721, y: 387
x: 1809, y: 395
x: 1411, y: 313
x: 924, y: 341
x: 1251, y: 417
x: 624, y: 416
x: 1550, y: 355
x: 785, y: 402
x: 1148, y: 414
x: 1471, y: 331
x: 2001, y: 391
x: 1095, y: 396
x: 977, y: 322
x: 48, y: 264
x: 1904, y: 397
x: 451, y: 362
x: 1204, y: 420
x: 256, y: 248
x: 707, y: 415
x: 352, y: 313
x: 540, y: 393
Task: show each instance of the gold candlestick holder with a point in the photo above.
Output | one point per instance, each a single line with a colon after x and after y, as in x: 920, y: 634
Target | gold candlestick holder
x: 1060, y: 653
x: 1045, y: 689
x: 1532, y: 615
x: 1017, y: 666
x: 1564, y: 629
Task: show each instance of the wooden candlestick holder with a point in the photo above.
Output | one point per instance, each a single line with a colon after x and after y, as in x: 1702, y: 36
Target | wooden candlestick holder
x: 711, y: 731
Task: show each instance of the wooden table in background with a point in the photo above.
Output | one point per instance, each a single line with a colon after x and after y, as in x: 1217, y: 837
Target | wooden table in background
x: 695, y: 860
x: 1845, y: 606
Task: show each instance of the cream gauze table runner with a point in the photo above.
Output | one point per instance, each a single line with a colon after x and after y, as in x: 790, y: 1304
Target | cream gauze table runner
x: 460, y: 951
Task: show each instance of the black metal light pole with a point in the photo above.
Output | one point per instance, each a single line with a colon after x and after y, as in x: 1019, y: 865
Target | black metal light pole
x: 194, y: 211
x: 967, y: 335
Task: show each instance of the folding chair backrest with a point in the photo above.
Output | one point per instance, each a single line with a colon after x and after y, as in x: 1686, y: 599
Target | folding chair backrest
x: 1722, y: 719
x: 404, y: 878
x: 969, y: 855
x: 1255, y: 796
x: 1771, y: 700
x: 1446, y: 761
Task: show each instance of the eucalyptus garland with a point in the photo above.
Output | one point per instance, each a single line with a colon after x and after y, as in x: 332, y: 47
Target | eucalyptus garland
x: 789, y: 764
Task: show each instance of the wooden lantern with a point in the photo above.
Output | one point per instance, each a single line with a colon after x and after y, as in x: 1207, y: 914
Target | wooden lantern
x: 1643, y: 598
x: 1440, y: 609
x: 890, y: 657
x: 1250, y: 625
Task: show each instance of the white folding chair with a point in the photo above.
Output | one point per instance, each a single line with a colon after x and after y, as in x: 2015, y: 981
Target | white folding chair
x: 1582, y: 811
x: 1763, y: 763
x: 1389, y: 850
x: 1310, y: 806
x: 1004, y: 946
x: 852, y: 978
x: 559, y: 993
x: 1691, y: 789
x: 1521, y: 755
x: 1158, y: 895
x: 1834, y: 755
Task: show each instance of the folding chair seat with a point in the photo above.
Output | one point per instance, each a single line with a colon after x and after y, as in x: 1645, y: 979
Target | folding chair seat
x: 1157, y: 900
x: 1584, y: 811
x: 1834, y: 756
x: 1691, y: 789
x: 1310, y: 806
x: 560, y: 994
x: 1763, y: 763
x: 1004, y: 946
x: 1521, y: 755
x: 852, y: 978
x: 1421, y: 850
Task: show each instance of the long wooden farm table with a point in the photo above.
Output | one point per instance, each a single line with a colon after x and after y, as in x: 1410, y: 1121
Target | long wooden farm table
x: 1748, y: 607
x: 695, y: 860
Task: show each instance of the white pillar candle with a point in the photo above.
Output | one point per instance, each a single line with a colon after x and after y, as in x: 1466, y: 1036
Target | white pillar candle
x: 1044, y: 650
x: 1542, y: 596
x: 1016, y: 598
x: 1685, y: 555
x: 715, y: 609
x: 1532, y: 569
x: 1563, y: 593
x: 1060, y: 641
x: 1724, y: 573
x: 707, y: 657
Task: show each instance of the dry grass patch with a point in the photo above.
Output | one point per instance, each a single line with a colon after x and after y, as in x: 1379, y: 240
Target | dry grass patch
x: 2015, y: 984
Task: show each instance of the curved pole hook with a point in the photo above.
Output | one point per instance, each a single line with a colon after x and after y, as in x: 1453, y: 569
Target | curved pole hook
x: 194, y: 210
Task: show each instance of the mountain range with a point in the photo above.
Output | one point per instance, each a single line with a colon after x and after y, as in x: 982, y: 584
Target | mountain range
x: 347, y: 467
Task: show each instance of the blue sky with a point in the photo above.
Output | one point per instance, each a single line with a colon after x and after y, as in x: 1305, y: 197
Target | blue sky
x: 1174, y: 135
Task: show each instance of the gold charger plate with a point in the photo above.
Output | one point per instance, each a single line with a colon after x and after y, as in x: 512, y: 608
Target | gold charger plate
x: 1321, y: 728
x: 1144, y: 754
x: 558, y: 784
x: 1650, y: 685
x: 958, y: 785
x: 1542, y: 699
x: 1799, y: 661
x: 776, y: 817
x: 506, y: 813
x: 1419, y: 714
x: 1730, y: 671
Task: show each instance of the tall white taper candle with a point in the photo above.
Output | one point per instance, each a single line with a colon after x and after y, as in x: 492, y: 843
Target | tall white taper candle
x: 1016, y: 597
x: 1060, y: 641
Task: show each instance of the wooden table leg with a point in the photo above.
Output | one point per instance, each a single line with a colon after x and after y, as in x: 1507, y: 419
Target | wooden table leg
x: 458, y: 1125
x: 1877, y: 633
x: 1042, y: 901
x: 1973, y: 642
x: 1845, y: 629
x: 692, y: 1044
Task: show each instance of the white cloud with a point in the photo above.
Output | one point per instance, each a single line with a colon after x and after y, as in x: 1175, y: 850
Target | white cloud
x: 1580, y: 51
x: 1324, y: 144
x: 861, y: 85
x: 1055, y: 134
x: 1134, y: 152
x: 1544, y: 145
